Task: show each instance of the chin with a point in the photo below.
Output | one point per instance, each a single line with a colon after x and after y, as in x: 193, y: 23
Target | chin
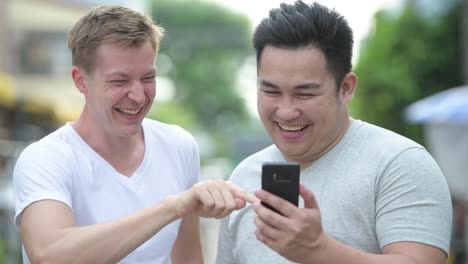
x: 289, y: 149
x: 291, y: 154
x: 130, y: 131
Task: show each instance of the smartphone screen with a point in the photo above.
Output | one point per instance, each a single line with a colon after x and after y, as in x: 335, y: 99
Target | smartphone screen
x: 281, y: 179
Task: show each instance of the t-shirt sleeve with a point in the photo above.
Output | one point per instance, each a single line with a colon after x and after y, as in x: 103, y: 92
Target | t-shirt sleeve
x: 225, y: 247
x: 41, y: 173
x: 413, y: 202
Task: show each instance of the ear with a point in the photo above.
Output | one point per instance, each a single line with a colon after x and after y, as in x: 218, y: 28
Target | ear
x: 348, y: 87
x: 79, y: 77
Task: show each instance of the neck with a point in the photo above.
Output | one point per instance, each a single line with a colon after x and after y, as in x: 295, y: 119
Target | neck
x: 110, y: 147
x: 340, y: 133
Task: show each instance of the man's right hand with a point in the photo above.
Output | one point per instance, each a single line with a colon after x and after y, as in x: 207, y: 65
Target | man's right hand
x: 212, y: 198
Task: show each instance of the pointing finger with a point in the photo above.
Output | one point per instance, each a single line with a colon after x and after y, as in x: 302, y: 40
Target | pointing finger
x: 242, y: 194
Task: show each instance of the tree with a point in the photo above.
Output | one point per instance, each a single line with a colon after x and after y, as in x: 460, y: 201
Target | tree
x: 408, y: 57
x: 206, y: 44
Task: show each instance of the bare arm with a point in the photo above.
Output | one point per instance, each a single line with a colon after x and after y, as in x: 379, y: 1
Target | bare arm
x: 401, y: 252
x: 187, y: 248
x: 49, y: 232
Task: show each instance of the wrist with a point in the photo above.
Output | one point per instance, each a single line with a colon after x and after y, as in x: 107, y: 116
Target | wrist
x: 327, y: 247
x: 171, y: 202
x: 320, y: 252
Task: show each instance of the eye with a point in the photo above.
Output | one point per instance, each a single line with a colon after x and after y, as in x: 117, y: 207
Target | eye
x: 149, y: 79
x: 271, y: 92
x: 305, y: 96
x: 118, y: 82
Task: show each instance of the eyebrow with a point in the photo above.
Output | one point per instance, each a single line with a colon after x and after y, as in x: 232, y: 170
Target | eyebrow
x: 303, y: 86
x: 152, y: 71
x: 121, y: 74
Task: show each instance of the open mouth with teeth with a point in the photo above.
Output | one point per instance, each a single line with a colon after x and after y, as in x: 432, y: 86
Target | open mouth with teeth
x: 127, y: 111
x: 296, y: 128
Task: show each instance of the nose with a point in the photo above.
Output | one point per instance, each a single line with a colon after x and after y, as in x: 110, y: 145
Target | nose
x: 137, y: 92
x: 287, y: 110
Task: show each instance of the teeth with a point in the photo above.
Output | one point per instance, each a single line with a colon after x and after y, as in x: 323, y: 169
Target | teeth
x: 128, y: 111
x: 292, y: 128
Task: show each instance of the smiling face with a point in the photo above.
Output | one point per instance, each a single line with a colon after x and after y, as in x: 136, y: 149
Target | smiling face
x: 119, y: 91
x: 298, y: 102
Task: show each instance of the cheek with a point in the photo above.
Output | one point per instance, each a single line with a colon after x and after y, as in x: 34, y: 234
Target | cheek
x: 114, y: 95
x: 327, y: 112
x: 263, y: 107
x: 150, y: 91
x: 266, y: 103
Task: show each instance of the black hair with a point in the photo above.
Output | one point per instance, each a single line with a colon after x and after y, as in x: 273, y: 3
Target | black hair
x: 301, y: 25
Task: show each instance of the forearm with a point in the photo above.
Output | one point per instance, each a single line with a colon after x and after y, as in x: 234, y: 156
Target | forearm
x: 187, y: 247
x: 335, y: 252
x: 105, y: 242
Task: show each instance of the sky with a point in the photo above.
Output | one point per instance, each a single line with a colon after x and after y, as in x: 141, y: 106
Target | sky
x: 358, y: 13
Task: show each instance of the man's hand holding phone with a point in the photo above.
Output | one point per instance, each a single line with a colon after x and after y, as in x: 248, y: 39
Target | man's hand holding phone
x: 295, y: 233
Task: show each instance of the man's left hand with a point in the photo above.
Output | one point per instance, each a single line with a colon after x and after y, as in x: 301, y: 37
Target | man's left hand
x: 296, y: 234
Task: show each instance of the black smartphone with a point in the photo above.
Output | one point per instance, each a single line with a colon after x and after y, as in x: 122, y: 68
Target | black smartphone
x: 281, y: 179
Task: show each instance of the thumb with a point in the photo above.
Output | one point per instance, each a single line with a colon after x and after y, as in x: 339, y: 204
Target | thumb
x: 308, y: 196
x: 240, y: 203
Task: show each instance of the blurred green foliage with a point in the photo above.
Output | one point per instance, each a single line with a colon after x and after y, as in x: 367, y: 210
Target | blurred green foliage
x: 172, y: 113
x: 409, y: 56
x: 2, y: 251
x: 206, y: 44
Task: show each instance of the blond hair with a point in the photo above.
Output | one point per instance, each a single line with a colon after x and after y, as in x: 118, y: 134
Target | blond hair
x: 110, y: 24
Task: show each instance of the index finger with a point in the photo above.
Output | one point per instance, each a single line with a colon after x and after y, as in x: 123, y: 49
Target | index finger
x: 241, y: 193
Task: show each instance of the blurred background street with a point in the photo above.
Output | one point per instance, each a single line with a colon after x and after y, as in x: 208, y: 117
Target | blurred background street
x: 408, y: 55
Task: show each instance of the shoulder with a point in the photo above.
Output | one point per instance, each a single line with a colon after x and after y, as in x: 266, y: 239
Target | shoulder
x: 44, y: 170
x: 167, y: 132
x: 50, y: 158
x: 172, y: 140
x: 53, y: 147
x: 393, y: 151
x: 382, y: 140
x: 374, y: 132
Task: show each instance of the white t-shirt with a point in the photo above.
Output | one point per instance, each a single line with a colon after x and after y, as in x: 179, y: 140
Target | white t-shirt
x: 63, y: 167
x: 373, y: 188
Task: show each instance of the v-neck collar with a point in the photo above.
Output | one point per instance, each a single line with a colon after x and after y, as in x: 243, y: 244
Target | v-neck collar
x: 108, y: 167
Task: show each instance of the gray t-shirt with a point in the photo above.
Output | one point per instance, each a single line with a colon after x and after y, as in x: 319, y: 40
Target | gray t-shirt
x: 373, y: 188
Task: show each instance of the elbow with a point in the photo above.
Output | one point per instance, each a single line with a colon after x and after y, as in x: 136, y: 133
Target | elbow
x: 44, y: 256
x: 40, y: 258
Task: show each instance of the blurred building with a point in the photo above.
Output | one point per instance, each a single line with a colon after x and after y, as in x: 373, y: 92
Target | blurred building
x: 2, y: 35
x: 35, y: 62
x: 464, y: 30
